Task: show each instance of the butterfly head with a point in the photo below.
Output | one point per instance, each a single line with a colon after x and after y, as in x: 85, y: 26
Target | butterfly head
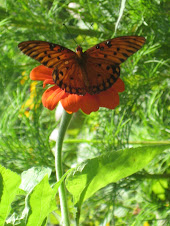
x: 79, y: 51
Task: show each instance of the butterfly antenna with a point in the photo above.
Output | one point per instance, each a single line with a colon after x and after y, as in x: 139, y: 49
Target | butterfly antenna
x: 70, y: 33
x: 86, y: 35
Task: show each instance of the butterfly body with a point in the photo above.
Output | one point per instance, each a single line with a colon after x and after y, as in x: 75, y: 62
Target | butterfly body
x: 92, y: 71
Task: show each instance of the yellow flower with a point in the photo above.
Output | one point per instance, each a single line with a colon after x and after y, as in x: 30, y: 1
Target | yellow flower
x: 30, y: 103
x: 25, y: 77
x: 146, y: 223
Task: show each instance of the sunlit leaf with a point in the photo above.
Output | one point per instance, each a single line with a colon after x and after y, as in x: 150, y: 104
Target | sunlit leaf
x: 93, y: 174
x: 42, y: 200
x: 42, y: 203
x: 9, y: 183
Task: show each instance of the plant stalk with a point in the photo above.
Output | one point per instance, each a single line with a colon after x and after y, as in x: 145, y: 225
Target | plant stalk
x: 58, y: 166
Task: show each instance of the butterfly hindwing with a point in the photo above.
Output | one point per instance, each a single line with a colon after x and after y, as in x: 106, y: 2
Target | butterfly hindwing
x: 101, y: 74
x: 69, y: 77
x: 48, y: 54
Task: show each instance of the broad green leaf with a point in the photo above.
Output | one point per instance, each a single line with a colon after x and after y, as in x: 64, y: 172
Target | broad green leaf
x: 93, y: 174
x: 31, y: 177
x: 42, y: 203
x: 9, y: 183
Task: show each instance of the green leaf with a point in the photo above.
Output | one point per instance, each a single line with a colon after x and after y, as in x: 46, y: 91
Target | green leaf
x: 42, y: 202
x: 93, y: 174
x: 32, y: 177
x: 9, y: 183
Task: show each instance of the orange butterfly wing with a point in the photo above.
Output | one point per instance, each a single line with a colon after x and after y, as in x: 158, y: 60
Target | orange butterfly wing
x: 49, y: 54
x: 68, y: 76
x: 103, y: 60
x: 63, y: 61
x: 93, y: 71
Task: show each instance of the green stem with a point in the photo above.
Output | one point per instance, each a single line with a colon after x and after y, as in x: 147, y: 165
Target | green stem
x: 58, y: 166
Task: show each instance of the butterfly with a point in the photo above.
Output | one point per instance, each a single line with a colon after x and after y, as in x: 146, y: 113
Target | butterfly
x: 92, y: 71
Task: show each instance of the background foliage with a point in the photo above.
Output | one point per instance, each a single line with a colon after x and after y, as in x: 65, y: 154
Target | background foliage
x: 142, y: 116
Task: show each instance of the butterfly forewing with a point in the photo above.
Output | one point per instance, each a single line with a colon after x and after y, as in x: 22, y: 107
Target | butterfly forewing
x: 116, y: 50
x: 48, y: 54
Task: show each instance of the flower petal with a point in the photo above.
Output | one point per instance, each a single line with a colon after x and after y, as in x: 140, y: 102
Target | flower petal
x: 89, y: 103
x: 48, y: 81
x: 108, y: 99
x: 41, y: 73
x: 52, y: 96
x: 71, y: 103
x: 118, y: 86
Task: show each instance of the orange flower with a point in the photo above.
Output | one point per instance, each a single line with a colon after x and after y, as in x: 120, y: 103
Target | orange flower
x: 73, y: 102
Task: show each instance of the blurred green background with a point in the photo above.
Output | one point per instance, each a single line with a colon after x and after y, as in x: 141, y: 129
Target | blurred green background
x: 141, y: 118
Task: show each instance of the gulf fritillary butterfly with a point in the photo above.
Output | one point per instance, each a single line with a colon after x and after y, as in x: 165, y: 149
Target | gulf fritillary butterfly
x: 92, y: 71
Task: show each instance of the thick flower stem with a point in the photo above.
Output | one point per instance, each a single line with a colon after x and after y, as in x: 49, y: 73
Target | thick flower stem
x: 58, y: 165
